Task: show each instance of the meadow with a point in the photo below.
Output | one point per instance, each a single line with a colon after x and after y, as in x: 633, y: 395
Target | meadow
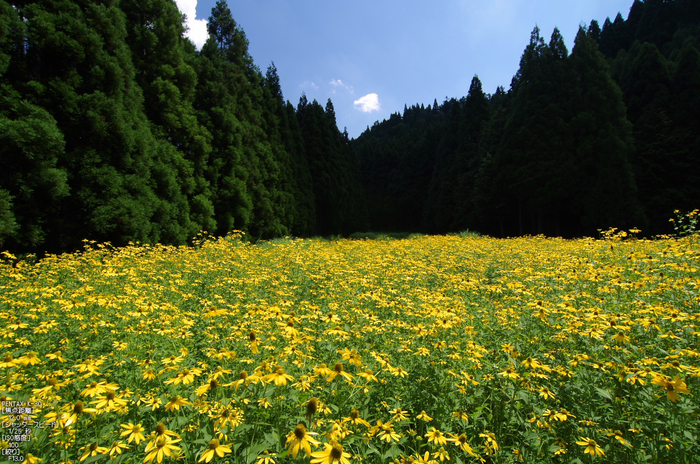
x: 428, y: 349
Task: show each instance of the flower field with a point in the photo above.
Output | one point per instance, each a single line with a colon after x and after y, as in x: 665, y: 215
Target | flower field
x: 429, y: 349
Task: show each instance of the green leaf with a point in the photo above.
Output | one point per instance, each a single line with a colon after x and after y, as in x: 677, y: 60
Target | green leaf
x: 392, y: 453
x: 605, y: 394
x: 272, y: 438
x: 99, y: 457
x: 253, y: 451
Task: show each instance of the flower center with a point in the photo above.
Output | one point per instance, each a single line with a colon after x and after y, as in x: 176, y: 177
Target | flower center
x: 337, y: 452
x: 312, y: 406
x: 79, y: 407
x: 300, y: 432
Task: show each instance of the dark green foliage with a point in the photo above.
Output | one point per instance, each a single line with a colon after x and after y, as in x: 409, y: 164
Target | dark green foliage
x: 557, y: 153
x: 340, y: 204
x: 114, y: 128
x: 254, y: 154
x: 76, y: 68
x: 168, y: 82
x: 32, y: 186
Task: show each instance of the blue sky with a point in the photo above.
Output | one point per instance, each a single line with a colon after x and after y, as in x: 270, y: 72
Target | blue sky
x: 373, y: 56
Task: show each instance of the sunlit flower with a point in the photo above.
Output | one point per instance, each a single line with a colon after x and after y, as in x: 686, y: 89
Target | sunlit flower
x: 266, y: 458
x: 133, y: 432
x: 117, y: 447
x: 435, y: 436
x: 673, y: 387
x: 299, y: 439
x: 461, y: 442
x: 333, y: 452
x: 92, y: 450
x: 162, y: 446
x: 592, y: 447
x: 214, y: 447
x: 338, y: 369
x: 356, y: 419
x: 386, y: 432
x: 175, y: 403
x: 278, y: 377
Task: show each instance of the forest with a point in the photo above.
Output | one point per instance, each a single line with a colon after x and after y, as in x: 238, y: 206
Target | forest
x: 603, y: 136
x: 113, y: 127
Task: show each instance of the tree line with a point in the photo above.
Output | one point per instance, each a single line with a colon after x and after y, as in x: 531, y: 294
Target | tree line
x: 604, y: 136
x: 113, y: 127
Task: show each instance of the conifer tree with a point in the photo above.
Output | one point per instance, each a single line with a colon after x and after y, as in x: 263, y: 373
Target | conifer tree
x: 605, y: 193
x: 73, y: 63
x: 155, y: 36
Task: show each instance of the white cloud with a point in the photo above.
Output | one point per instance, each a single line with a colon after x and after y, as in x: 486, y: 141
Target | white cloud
x: 368, y: 103
x: 197, y: 27
x: 307, y: 84
x: 339, y: 83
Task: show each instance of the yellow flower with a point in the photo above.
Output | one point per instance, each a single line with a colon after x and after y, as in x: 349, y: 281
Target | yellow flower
x: 214, y: 448
x: 425, y: 459
x: 108, y: 401
x: 673, y: 387
x: 278, y: 377
x: 332, y: 453
x: 592, y: 447
x: 399, y: 414
x: 462, y: 443
x: 78, y: 409
x: 117, y: 448
x: 266, y: 458
x: 491, y: 443
x: 368, y: 375
x: 355, y: 418
x: 300, y: 439
x: 618, y: 436
x: 92, y: 450
x: 311, y: 408
x: 9, y: 361
x: 213, y: 384
x: 175, y: 403
x: 30, y: 358
x: 134, y: 432
x: 387, y: 432
x: 546, y: 393
x: 435, y: 436
x: 264, y: 402
x: 423, y: 416
x: 161, y: 447
x: 442, y: 454
x: 161, y: 430
x: 338, y: 369
x: 510, y: 373
x: 232, y: 417
x: 621, y: 338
